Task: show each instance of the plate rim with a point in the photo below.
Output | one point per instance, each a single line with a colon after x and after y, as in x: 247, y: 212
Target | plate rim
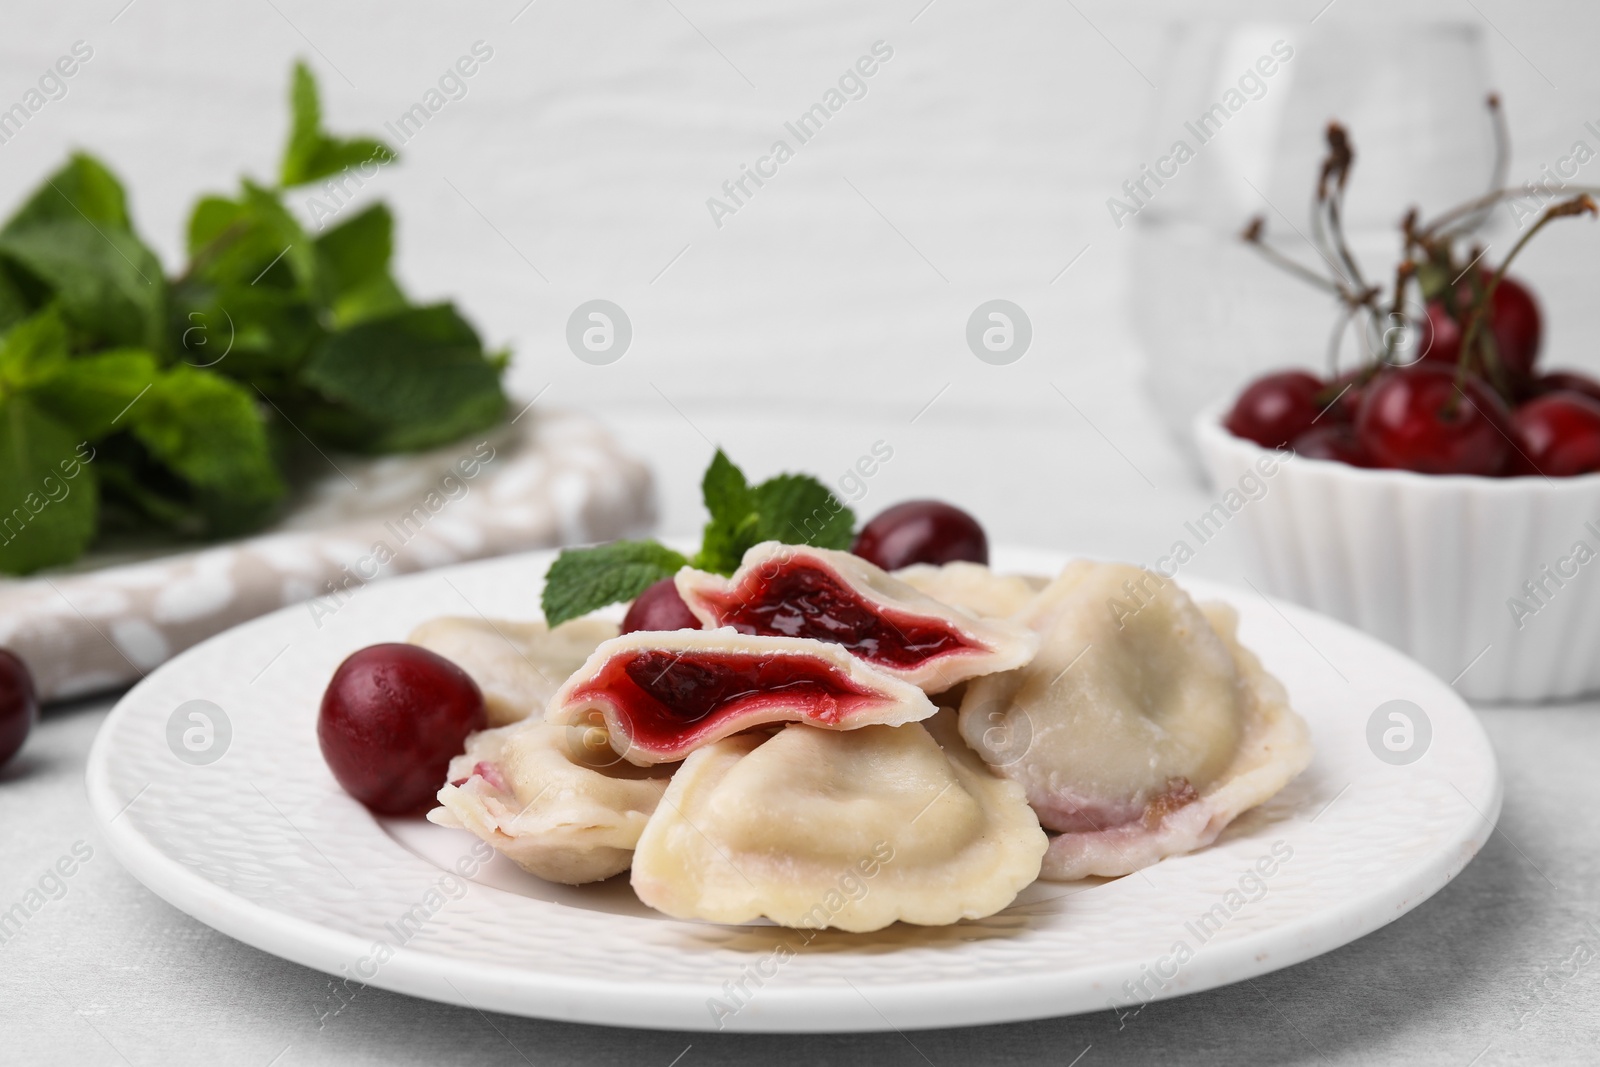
x: 663, y: 1006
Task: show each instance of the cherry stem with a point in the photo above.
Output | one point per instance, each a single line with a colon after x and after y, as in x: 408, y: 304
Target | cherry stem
x: 1431, y: 230
x: 1403, y: 273
x: 1578, y: 205
x: 1252, y: 236
x: 1336, y: 339
x: 1474, y: 220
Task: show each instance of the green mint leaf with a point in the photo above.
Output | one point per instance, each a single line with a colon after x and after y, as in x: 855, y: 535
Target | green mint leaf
x: 107, y: 282
x: 354, y: 258
x: 375, y: 298
x: 84, y: 190
x: 205, y: 428
x: 15, y: 304
x: 93, y: 394
x: 253, y: 333
x: 411, y: 380
x: 251, y: 241
x: 32, y: 351
x: 732, y: 526
x: 582, y: 580
x: 310, y: 153
x: 73, y: 241
x: 798, y: 509
x: 46, y: 488
x: 357, y: 251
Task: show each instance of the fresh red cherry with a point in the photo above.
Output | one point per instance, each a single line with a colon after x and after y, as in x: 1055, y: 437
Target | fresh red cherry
x: 1440, y: 335
x: 1569, y: 380
x: 921, y: 531
x: 392, y: 717
x: 1513, y: 321
x: 1276, y: 408
x: 1559, y: 434
x: 19, y: 704
x: 1340, y: 399
x: 659, y: 608
x: 1415, y: 418
x: 1336, y: 441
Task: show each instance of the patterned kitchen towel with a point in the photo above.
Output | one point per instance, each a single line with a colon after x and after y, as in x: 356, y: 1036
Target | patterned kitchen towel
x: 557, y: 478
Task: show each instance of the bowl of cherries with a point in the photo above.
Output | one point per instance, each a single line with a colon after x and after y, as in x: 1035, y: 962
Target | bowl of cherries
x: 1444, y: 492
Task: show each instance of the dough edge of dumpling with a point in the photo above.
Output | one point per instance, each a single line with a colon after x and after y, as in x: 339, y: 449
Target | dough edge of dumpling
x: 592, y: 840
x: 1012, y: 835
x: 1274, y: 749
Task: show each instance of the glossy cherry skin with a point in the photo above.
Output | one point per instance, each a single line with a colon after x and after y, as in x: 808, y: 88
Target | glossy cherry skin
x: 1514, y: 322
x: 1276, y: 408
x: 1559, y: 435
x: 19, y: 704
x: 659, y: 608
x: 1569, y: 380
x: 921, y: 531
x: 392, y: 717
x: 1336, y: 441
x: 1414, y: 418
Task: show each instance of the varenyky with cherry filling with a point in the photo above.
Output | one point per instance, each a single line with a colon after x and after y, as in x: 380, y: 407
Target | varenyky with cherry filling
x: 801, y: 734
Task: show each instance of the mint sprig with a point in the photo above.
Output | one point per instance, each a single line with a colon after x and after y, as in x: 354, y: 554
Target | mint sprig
x: 796, y: 509
x: 194, y: 394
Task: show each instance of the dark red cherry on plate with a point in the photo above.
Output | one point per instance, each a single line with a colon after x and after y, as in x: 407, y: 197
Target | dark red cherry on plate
x: 1558, y: 434
x: 659, y: 607
x: 921, y: 531
x: 1276, y: 408
x: 1569, y: 380
x: 1335, y: 441
x: 1415, y: 418
x: 19, y: 704
x: 1514, y: 322
x: 392, y: 717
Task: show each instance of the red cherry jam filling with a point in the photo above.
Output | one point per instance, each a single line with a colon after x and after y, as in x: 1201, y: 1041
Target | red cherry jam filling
x: 666, y: 699
x: 805, y: 601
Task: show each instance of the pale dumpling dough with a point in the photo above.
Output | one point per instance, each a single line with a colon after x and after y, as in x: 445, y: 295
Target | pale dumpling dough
x: 850, y: 829
x: 555, y: 799
x: 972, y: 587
x: 518, y: 665
x: 1141, y: 729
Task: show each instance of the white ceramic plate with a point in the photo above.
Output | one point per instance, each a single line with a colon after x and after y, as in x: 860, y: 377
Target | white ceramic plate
x: 264, y: 846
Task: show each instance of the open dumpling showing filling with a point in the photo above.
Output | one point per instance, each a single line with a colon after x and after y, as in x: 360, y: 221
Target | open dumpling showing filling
x: 663, y: 693
x: 798, y: 591
x: 518, y: 665
x: 1142, y: 727
x: 853, y: 830
x: 557, y: 800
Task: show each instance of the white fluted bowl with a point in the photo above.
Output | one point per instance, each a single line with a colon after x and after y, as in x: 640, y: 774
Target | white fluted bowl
x: 1482, y: 580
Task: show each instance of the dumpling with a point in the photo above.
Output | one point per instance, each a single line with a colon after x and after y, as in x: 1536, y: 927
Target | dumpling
x: 799, y: 591
x: 1142, y: 727
x: 555, y: 799
x: 972, y: 587
x: 812, y: 828
x: 518, y: 665
x: 664, y: 693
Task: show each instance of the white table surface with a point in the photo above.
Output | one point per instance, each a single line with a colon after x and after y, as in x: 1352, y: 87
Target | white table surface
x: 824, y: 317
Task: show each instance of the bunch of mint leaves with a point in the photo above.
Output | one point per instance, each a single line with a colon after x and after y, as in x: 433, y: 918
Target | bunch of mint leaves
x: 137, y: 406
x: 796, y: 509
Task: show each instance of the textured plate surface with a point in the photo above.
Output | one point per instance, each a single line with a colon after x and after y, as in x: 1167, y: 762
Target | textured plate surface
x: 263, y: 845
